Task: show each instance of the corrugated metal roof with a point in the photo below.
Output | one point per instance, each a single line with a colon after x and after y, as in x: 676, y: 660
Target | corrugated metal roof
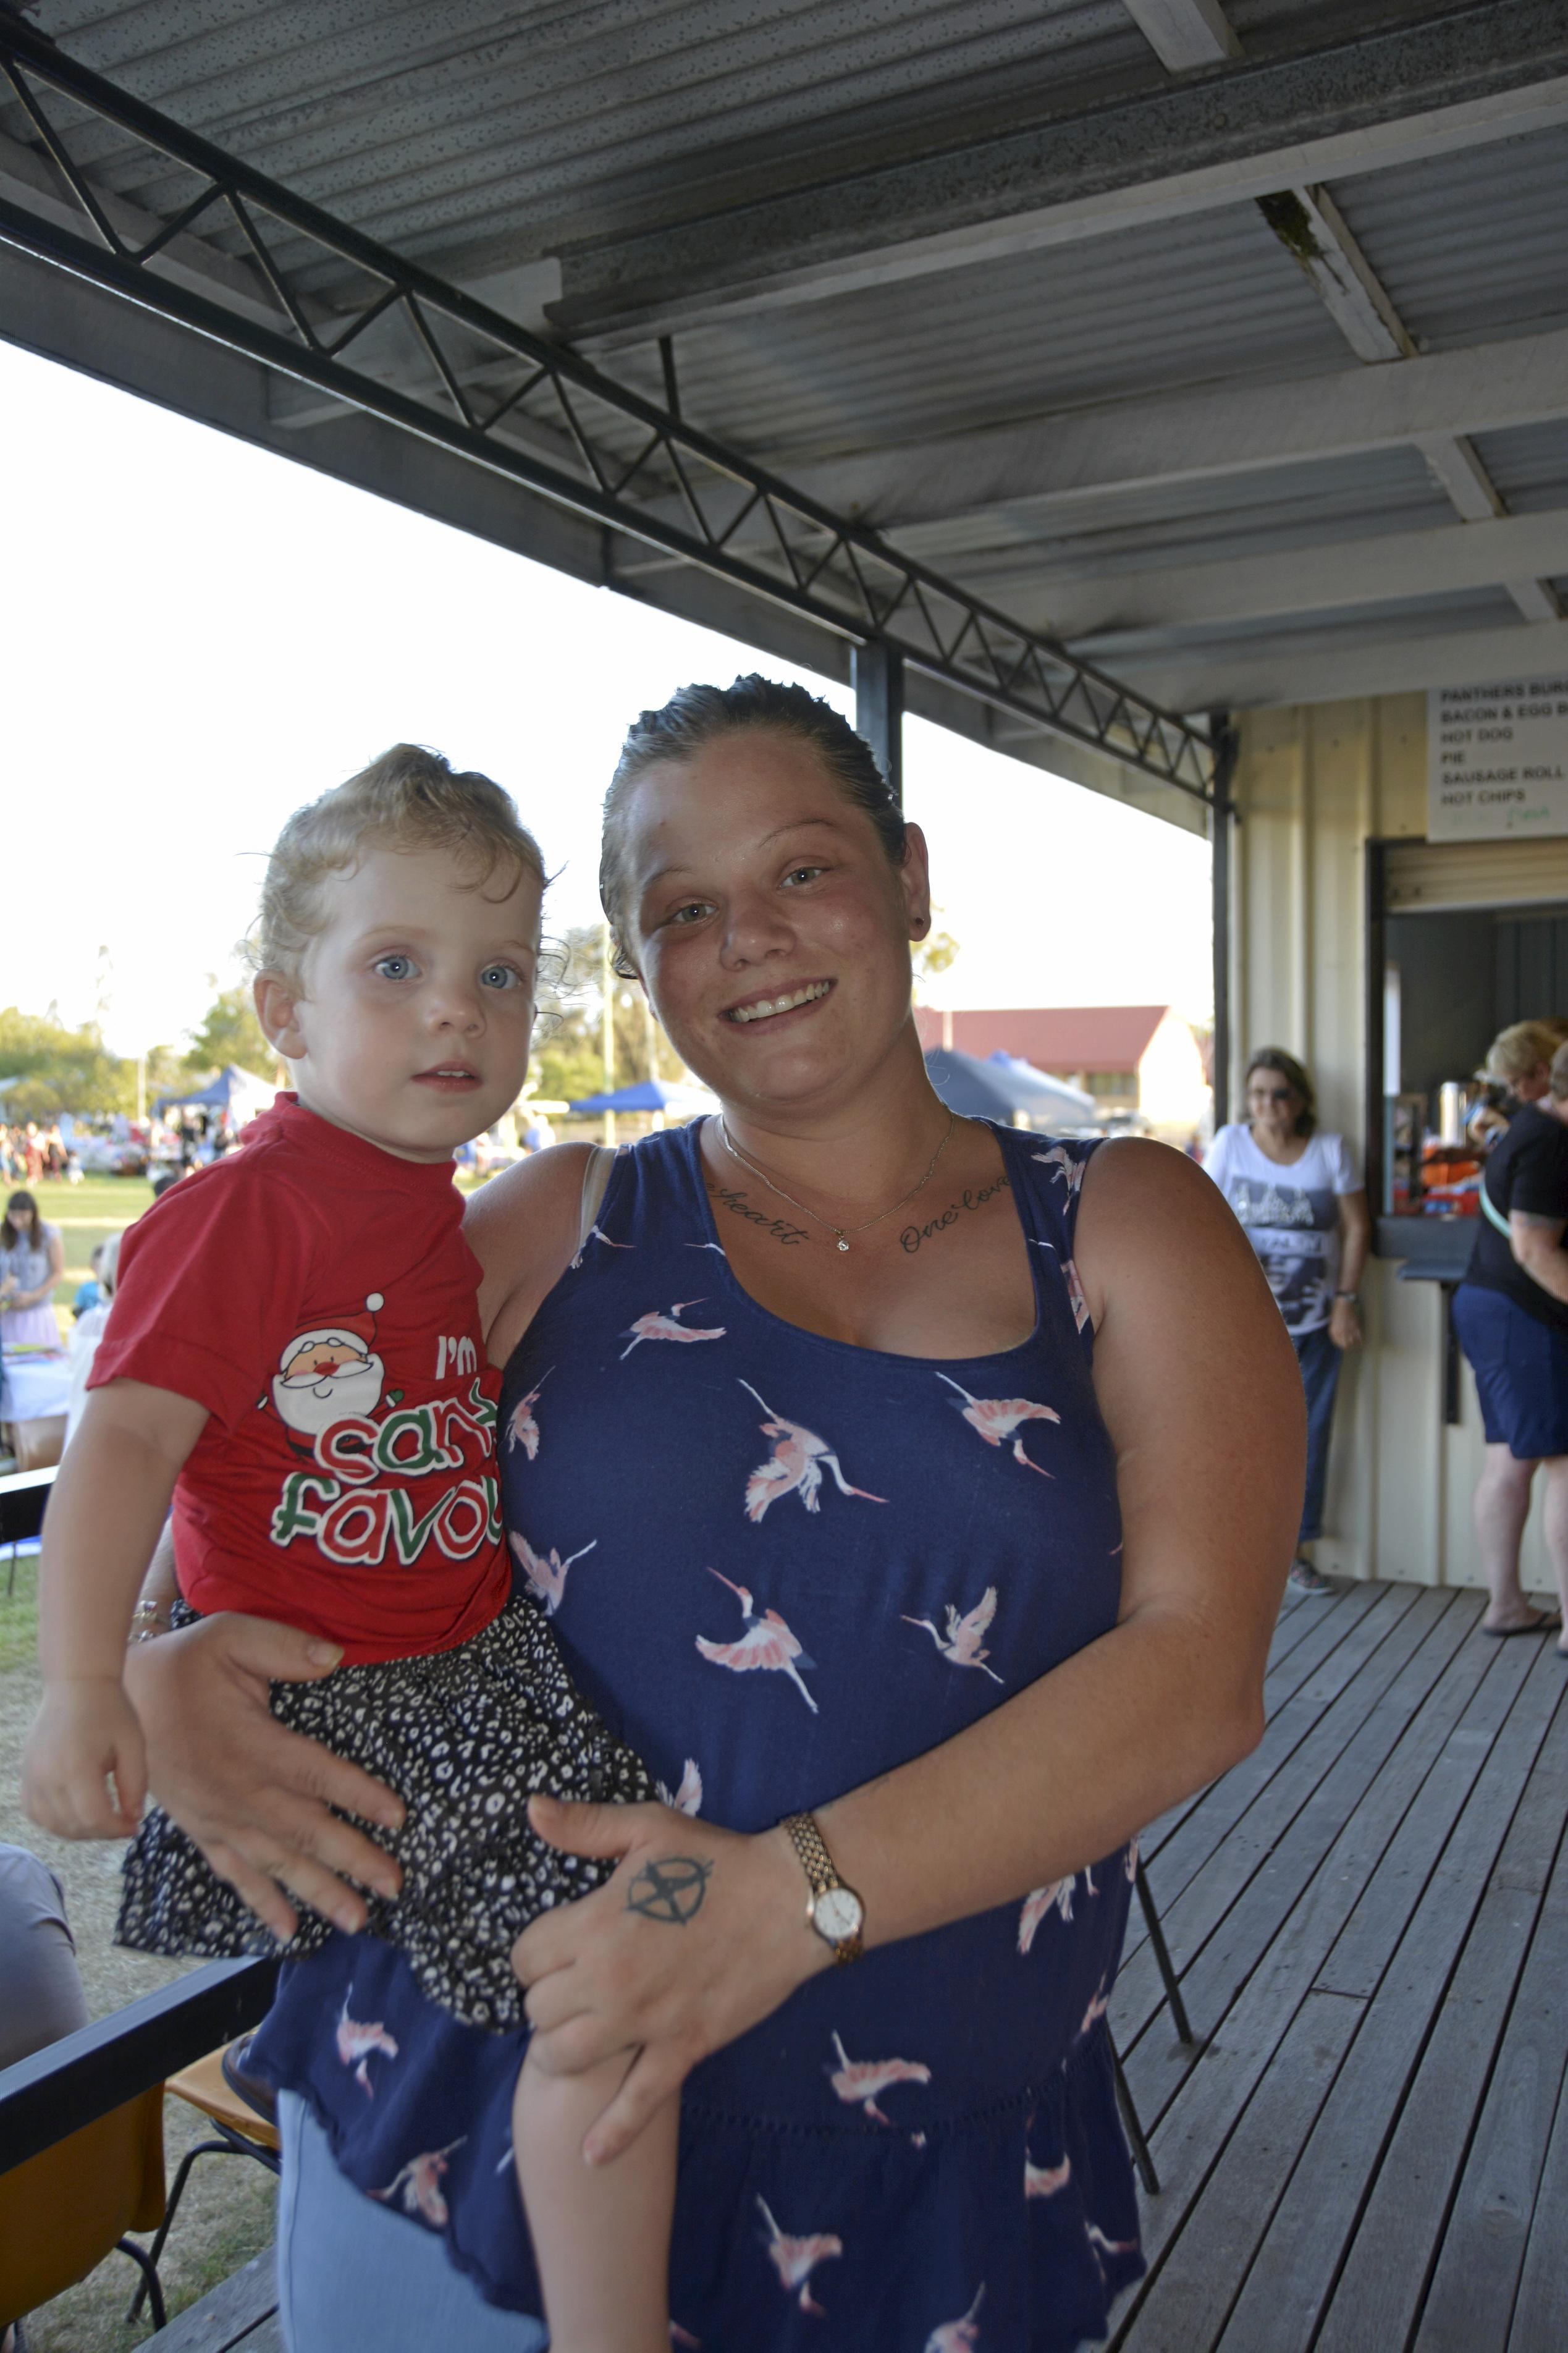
x: 1189, y: 301
x: 469, y: 134
x: 1470, y: 245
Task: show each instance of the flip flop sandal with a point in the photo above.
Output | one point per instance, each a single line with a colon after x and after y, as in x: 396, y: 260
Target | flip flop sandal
x: 1545, y: 1624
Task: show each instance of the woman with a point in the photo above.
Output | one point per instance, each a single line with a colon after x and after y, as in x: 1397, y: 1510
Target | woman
x: 867, y: 1461
x: 1311, y: 1231
x: 32, y: 1261
x: 1510, y: 1313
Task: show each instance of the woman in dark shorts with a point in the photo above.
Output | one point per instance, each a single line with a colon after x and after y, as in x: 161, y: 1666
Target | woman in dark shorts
x: 1512, y: 1316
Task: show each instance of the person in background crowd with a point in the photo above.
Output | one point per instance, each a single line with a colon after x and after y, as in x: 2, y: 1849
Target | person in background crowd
x: 89, y: 1292
x: 1297, y: 1192
x: 33, y: 1152
x: 90, y: 1329
x: 32, y: 1261
x: 1516, y: 1070
x: 1510, y: 1313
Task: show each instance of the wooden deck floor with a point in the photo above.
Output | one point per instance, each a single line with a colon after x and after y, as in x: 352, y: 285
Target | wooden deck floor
x: 1368, y: 2150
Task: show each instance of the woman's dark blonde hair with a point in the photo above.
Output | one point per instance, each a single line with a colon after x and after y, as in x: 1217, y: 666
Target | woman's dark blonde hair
x: 410, y: 798
x: 698, y: 716
x: 1294, y: 1074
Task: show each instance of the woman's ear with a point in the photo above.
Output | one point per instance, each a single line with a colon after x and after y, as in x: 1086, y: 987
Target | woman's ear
x: 915, y: 878
x: 276, y: 1008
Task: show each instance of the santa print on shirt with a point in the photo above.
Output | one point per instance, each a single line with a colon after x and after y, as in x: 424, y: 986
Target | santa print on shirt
x: 316, y: 1295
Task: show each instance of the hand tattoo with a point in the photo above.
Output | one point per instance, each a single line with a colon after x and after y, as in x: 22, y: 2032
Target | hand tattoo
x: 673, y: 1887
x: 732, y: 1197
x: 912, y: 1235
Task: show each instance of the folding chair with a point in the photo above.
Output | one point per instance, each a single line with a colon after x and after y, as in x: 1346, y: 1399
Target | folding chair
x: 1132, y: 2124
x: 242, y: 2129
x: 63, y: 2210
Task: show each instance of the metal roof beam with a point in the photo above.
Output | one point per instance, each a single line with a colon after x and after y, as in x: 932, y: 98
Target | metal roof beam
x: 1390, y: 95
x: 1046, y: 468
x: 1097, y: 603
x: 1186, y: 33
x: 620, y: 455
x: 1319, y: 238
x: 1334, y: 666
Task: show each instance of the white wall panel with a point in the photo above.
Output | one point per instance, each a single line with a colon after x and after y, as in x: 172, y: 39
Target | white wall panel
x: 1313, y: 784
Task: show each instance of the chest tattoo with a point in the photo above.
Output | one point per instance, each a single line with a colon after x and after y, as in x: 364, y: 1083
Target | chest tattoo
x: 913, y: 1237
x: 733, y: 1198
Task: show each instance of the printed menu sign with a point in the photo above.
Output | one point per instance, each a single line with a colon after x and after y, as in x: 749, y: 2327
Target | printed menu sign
x: 1497, y: 759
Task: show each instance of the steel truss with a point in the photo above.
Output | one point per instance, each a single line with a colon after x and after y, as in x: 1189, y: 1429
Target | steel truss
x: 224, y: 251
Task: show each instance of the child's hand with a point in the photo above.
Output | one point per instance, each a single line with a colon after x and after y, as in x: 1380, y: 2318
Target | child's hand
x: 84, y: 1769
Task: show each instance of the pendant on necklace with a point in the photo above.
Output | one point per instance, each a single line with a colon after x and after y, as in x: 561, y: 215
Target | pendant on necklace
x: 842, y: 1243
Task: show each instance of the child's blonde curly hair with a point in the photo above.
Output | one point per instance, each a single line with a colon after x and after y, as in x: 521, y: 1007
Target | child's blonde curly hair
x: 410, y: 798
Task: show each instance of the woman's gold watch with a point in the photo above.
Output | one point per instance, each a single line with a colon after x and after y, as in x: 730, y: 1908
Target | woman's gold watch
x: 834, y: 1910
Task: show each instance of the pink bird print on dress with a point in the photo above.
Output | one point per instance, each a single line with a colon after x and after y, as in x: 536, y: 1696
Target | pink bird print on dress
x: 1096, y: 2009
x: 958, y: 2336
x: 794, y: 1466
x: 546, y: 1578
x: 418, y: 2188
x: 521, y: 1429
x: 1065, y: 1164
x: 594, y: 1235
x: 1046, y: 2180
x: 767, y: 1642
x: 1098, y: 2244
x: 357, y: 2042
x: 794, y: 2260
x: 996, y: 1419
x: 962, y: 1645
x: 1129, y: 1860
x: 1076, y: 1299
x: 654, y: 1326
x: 1038, y: 1904
x: 687, y: 1798
x: 858, y: 2082
x: 678, y: 2335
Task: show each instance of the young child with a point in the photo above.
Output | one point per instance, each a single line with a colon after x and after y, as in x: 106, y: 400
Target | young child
x: 295, y: 1354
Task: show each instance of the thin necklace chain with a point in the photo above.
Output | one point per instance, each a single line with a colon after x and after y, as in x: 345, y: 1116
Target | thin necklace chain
x: 841, y: 1234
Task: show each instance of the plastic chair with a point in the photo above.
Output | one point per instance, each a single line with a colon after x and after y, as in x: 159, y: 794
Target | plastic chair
x: 243, y: 2130
x: 63, y: 2210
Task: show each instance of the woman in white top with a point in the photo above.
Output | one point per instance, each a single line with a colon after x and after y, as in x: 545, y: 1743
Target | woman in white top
x: 1304, y: 1207
x: 32, y: 1261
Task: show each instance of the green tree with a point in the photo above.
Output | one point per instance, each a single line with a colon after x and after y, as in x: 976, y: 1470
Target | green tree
x: 938, y: 952
x: 58, y: 1069
x: 229, y: 1032
x: 568, y: 1050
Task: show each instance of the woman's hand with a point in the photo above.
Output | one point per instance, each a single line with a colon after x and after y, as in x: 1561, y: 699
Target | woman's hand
x: 255, y: 1797
x: 1344, y: 1324
x: 701, y: 1933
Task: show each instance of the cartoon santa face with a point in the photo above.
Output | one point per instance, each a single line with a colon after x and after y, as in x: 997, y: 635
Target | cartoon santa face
x: 331, y: 1373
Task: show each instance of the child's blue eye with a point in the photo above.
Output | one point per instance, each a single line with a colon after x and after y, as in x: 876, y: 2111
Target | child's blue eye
x: 500, y: 976
x: 393, y: 967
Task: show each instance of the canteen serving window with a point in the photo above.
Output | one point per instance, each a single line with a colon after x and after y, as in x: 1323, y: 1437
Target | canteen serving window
x: 1463, y: 938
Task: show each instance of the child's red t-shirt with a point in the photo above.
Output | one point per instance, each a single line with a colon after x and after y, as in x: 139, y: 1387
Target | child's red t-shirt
x: 316, y: 1295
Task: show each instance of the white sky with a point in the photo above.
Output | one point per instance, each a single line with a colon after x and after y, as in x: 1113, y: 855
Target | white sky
x: 199, y: 636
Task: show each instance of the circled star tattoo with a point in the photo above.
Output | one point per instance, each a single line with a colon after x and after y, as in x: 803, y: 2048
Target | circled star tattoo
x: 672, y: 1888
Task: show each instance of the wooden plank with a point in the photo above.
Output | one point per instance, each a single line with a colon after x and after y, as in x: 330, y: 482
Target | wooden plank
x: 237, y: 2312
x: 1200, y: 2119
x: 1300, y: 2254
x: 1187, y: 2304
x: 1477, y: 2279
x: 1380, y: 2290
x: 1541, y: 2312
x: 1224, y: 1921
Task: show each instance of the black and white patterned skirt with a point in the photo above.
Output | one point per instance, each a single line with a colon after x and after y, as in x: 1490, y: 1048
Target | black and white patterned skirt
x: 465, y: 1737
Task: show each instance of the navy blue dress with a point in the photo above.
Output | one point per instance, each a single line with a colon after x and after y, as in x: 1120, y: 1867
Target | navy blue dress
x: 780, y: 1566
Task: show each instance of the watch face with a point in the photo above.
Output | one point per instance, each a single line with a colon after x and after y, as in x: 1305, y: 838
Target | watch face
x: 839, y: 1913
